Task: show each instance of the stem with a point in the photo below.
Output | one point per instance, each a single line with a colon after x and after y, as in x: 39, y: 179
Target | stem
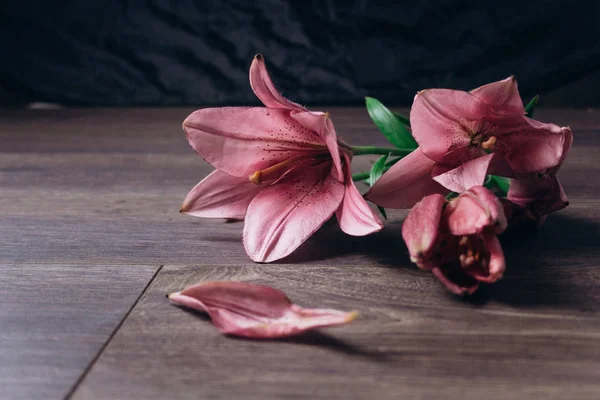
x: 361, y: 176
x: 362, y: 150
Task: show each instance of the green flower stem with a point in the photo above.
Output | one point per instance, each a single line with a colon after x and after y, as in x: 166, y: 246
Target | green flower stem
x: 362, y: 150
x: 361, y: 176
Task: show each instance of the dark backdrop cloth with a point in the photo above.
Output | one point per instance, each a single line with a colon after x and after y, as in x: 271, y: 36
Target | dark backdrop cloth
x: 321, y: 52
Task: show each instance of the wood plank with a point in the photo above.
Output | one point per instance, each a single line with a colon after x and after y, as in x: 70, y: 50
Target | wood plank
x: 158, y: 130
x: 54, y: 319
x: 535, y: 335
x: 105, y: 186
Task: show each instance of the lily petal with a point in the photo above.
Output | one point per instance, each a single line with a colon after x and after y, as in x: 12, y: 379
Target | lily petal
x: 493, y: 205
x: 282, y: 216
x: 255, y: 311
x: 265, y: 90
x: 471, y: 173
x: 320, y: 123
x: 503, y: 96
x: 354, y: 214
x: 541, y: 194
x: 567, y: 143
x: 442, y: 120
x: 497, y: 263
x: 220, y: 195
x: 405, y: 183
x: 243, y: 140
x: 420, y: 229
x: 456, y: 281
x: 529, y: 145
x: 467, y: 215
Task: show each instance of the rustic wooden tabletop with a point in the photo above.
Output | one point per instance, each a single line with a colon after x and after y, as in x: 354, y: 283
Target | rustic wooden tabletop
x: 91, y: 241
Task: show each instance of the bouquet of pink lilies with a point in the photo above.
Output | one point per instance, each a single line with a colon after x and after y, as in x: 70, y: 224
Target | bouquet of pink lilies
x: 468, y: 163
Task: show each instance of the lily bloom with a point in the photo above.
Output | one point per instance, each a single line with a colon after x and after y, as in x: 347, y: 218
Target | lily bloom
x: 538, y: 194
x: 463, y: 136
x: 280, y: 167
x: 457, y: 239
x: 255, y: 311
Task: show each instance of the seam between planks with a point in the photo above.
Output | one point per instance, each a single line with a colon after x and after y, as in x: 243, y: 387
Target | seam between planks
x: 111, y: 336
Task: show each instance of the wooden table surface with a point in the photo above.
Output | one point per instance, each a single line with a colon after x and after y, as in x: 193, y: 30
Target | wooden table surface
x: 91, y: 241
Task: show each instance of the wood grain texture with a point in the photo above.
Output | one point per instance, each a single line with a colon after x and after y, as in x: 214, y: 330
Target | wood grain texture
x: 83, y: 189
x: 105, y: 186
x: 412, y: 340
x: 54, y: 319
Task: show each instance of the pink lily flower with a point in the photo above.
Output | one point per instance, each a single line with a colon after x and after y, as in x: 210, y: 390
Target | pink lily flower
x: 255, y: 311
x: 463, y: 136
x: 457, y: 240
x: 535, y: 195
x: 281, y: 167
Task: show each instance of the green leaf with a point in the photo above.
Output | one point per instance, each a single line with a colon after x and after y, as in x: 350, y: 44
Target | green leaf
x: 503, y: 184
x: 377, y: 170
x: 360, y: 176
x: 403, y: 118
x: 390, y: 125
x: 382, y: 211
x: 530, y: 107
x: 391, y: 162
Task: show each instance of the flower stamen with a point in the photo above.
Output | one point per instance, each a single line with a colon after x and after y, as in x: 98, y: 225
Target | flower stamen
x: 490, y: 143
x: 257, y: 176
x: 278, y: 169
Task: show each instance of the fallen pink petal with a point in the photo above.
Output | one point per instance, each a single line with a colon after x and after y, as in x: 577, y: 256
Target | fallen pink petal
x: 256, y: 311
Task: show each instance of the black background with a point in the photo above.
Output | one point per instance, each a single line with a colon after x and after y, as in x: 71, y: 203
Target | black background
x: 321, y: 52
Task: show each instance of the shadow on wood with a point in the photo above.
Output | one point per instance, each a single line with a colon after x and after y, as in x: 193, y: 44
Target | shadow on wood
x: 536, y: 261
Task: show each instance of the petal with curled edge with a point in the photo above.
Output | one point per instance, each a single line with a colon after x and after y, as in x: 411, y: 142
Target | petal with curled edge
x: 456, y: 280
x: 471, y: 173
x: 243, y: 140
x: 493, y: 205
x: 503, y: 96
x: 354, y: 214
x: 220, y: 195
x: 421, y: 227
x: 265, y: 90
x: 496, y: 263
x: 526, y: 144
x: 282, y: 216
x: 255, y: 311
x: 466, y: 215
x: 405, y: 183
